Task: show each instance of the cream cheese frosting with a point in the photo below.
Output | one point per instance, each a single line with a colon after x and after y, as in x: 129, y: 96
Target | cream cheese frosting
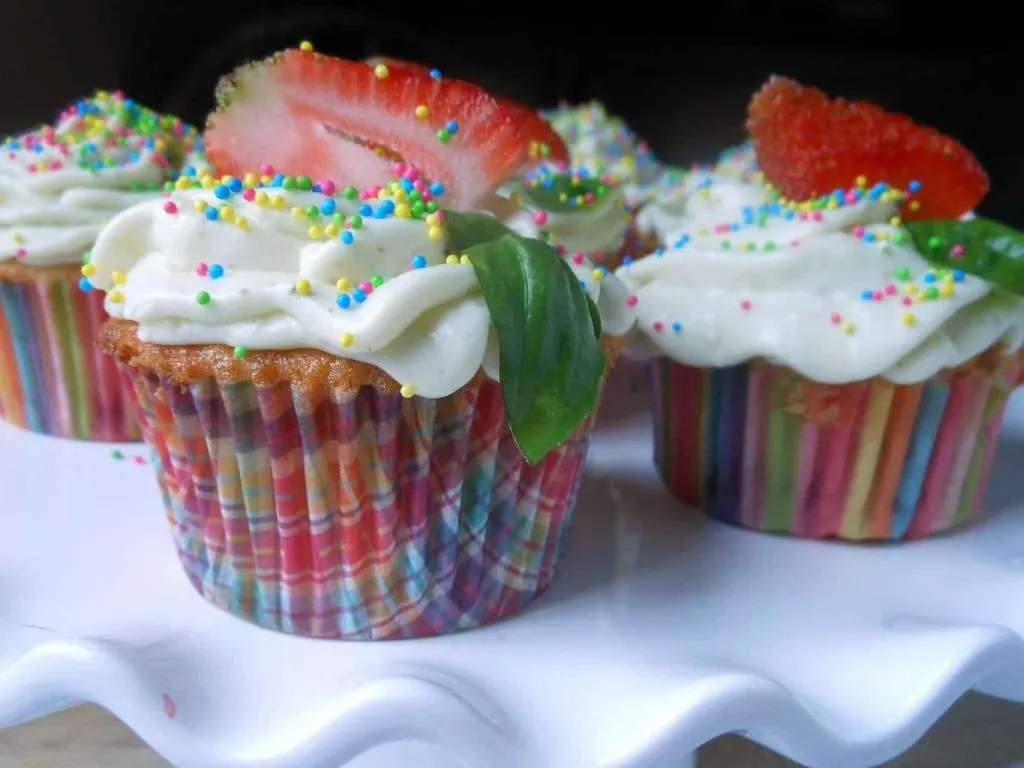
x: 837, y: 293
x: 61, y: 183
x: 279, y: 268
x: 603, y: 144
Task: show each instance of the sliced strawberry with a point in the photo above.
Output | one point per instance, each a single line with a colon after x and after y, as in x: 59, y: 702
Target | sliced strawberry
x: 808, y: 145
x: 545, y: 144
x: 309, y: 114
x: 398, y: 64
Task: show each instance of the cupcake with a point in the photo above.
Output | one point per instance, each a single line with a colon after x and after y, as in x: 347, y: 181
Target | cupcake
x: 364, y: 426
x: 58, y: 186
x: 729, y: 194
x: 839, y: 366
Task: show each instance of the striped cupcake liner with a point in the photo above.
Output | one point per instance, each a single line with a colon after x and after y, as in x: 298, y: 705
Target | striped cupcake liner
x: 53, y: 380
x: 758, y: 446
x: 356, y: 515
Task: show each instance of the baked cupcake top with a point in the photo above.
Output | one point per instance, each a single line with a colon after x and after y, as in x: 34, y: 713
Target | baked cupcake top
x: 605, y: 146
x: 873, y: 280
x: 382, y: 274
x: 60, y: 183
x: 583, y: 216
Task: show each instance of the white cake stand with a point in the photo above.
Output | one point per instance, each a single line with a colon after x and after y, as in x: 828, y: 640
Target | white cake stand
x: 663, y: 631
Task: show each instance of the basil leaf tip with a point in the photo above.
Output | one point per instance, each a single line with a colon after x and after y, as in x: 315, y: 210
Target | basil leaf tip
x: 980, y: 247
x: 550, y: 358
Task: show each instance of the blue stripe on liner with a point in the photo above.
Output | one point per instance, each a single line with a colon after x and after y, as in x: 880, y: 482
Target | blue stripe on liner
x: 729, y: 449
x: 715, y: 382
x: 919, y: 453
x: 19, y: 318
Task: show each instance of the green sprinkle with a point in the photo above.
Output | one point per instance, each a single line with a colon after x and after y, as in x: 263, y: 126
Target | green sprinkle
x: 304, y: 183
x: 726, y: 245
x: 240, y: 352
x: 312, y: 211
x: 769, y: 245
x: 432, y: 206
x: 376, y: 281
x: 935, y: 242
x: 350, y: 193
x: 443, y: 136
x: 87, y: 257
x: 203, y: 298
x: 902, y: 273
x: 356, y: 222
x: 931, y: 292
x: 288, y: 183
x: 116, y: 455
x: 899, y: 237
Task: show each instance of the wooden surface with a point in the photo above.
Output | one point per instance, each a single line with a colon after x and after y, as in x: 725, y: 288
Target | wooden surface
x: 978, y: 733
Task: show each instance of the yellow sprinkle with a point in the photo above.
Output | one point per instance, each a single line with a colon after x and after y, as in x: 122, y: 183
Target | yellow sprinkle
x: 403, y: 211
x: 277, y: 202
x: 305, y: 45
x: 914, y: 205
x: 399, y: 195
x: 117, y: 277
x: 422, y: 111
x: 116, y: 297
x: 909, y: 318
x: 227, y: 213
x: 847, y: 327
x: 597, y: 274
x: 452, y: 259
x: 250, y: 180
x: 946, y: 290
x: 862, y: 181
x: 705, y: 194
x: 200, y: 205
x: 346, y: 339
x: 380, y: 71
x: 463, y: 259
x: 183, y: 182
x: 315, y: 232
x: 382, y: 194
x: 407, y: 391
x: 261, y: 198
x: 832, y: 204
x: 431, y: 220
x: 909, y: 288
x: 748, y: 246
x: 207, y: 182
x: 88, y: 270
x: 702, y: 232
x: 241, y: 222
x: 266, y: 179
x: 331, y: 230
x: 563, y: 197
x: 342, y: 285
x: 435, y: 233
x: 302, y: 287
x: 297, y: 212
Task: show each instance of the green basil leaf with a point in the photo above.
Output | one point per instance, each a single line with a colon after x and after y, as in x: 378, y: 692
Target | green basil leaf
x: 551, y: 362
x: 562, y: 192
x: 980, y: 247
x: 595, y: 315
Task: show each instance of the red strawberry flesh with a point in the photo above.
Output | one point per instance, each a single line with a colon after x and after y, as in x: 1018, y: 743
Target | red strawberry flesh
x: 808, y: 145
x: 309, y: 114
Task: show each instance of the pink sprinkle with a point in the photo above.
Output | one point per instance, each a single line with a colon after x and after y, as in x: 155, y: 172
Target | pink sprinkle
x: 249, y: 194
x: 418, y: 185
x: 328, y: 187
x: 267, y: 170
x: 32, y: 168
x: 202, y: 268
x: 745, y: 305
x: 170, y: 207
x: 721, y: 229
x: 816, y: 215
x: 21, y: 253
x: 139, y: 459
x: 411, y: 173
x: 858, y: 231
x: 907, y: 301
x: 589, y: 197
x: 794, y: 243
x: 398, y: 168
x: 597, y: 256
x: 56, y: 165
x: 835, y: 318
x: 560, y: 250
x: 657, y: 325
x: 877, y: 295
x: 631, y: 300
x: 577, y: 257
x: 802, y: 215
x: 170, y: 708
x: 366, y: 287
x: 956, y: 251
x: 851, y: 197
x: 890, y: 289
x: 540, y: 218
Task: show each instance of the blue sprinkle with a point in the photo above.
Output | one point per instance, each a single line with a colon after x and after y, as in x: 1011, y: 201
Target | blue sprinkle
x: 452, y: 127
x: 365, y: 210
x: 347, y: 237
x: 328, y: 207
x: 406, y: 185
x: 358, y: 296
x: 789, y: 214
x: 437, y: 189
x: 866, y: 295
x: 388, y: 206
x: 677, y: 326
x: 222, y: 192
x: 869, y: 237
x: 659, y: 251
x: 627, y: 260
x: 148, y: 143
x: 211, y: 213
x: 958, y: 275
x: 929, y: 278
x: 84, y: 285
x: 190, y: 170
x: 235, y: 185
x: 418, y: 262
x: 734, y: 227
x: 583, y: 285
x: 436, y: 74
x: 914, y: 186
x: 215, y: 271
x: 344, y: 301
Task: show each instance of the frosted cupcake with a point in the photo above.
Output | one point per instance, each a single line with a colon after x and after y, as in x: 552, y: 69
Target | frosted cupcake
x: 363, y: 425
x: 834, y: 369
x: 58, y: 186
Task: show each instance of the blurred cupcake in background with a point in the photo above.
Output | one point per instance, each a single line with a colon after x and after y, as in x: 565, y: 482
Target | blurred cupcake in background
x: 59, y: 185
x: 837, y: 364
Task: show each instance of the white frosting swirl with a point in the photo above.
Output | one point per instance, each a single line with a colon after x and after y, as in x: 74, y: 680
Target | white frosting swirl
x: 421, y: 320
x: 60, y: 184
x: 829, y: 294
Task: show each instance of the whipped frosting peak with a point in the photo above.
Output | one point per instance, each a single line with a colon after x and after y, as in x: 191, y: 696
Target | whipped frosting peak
x: 59, y: 184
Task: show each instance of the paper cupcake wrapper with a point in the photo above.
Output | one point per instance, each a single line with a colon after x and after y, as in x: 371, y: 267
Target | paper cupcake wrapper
x: 53, y: 380
x: 356, y: 515
x: 758, y: 446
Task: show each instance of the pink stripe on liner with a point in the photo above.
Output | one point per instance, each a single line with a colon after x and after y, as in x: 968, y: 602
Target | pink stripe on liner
x: 977, y: 390
x: 803, y: 519
x: 940, y: 466
x: 837, y: 463
x: 58, y: 404
x: 990, y: 440
x: 759, y: 386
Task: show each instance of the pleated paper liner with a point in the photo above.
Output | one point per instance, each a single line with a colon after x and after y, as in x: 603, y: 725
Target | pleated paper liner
x: 53, y: 380
x: 759, y: 446
x: 348, y: 512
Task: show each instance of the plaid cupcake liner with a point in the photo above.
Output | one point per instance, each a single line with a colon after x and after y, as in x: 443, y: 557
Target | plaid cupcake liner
x: 53, y: 380
x: 759, y: 446
x: 356, y: 514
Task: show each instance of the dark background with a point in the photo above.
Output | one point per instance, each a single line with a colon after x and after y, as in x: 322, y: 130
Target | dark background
x: 679, y: 72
